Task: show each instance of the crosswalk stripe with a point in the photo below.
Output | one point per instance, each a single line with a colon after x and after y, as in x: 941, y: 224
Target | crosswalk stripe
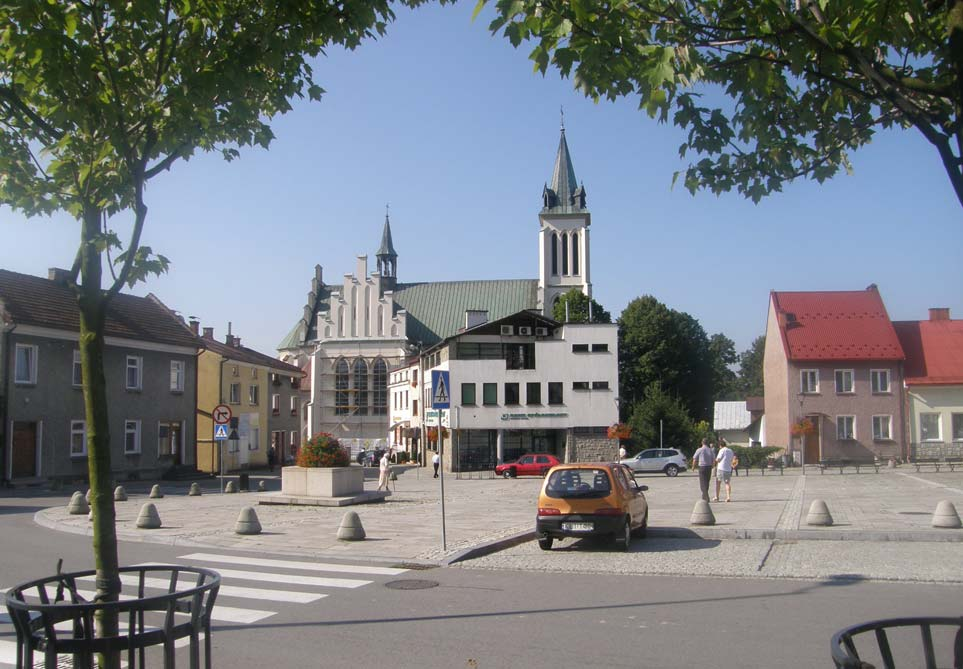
x: 293, y: 564
x: 292, y: 596
x: 294, y: 579
x: 224, y: 614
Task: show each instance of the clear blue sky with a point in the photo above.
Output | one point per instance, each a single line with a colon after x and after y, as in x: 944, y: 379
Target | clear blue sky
x: 452, y: 128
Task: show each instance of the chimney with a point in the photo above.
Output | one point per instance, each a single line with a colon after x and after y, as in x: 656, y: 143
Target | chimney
x: 475, y: 317
x: 58, y: 275
x: 940, y: 314
x: 237, y: 342
x: 229, y: 339
x: 208, y: 333
x: 195, y: 325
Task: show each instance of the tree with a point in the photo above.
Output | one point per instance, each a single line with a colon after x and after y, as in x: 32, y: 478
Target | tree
x: 658, y: 344
x: 722, y: 354
x: 750, y: 368
x: 97, y: 98
x: 660, y: 414
x: 807, y: 82
x: 578, y: 309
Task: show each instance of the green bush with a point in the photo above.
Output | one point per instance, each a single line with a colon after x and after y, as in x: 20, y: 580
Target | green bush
x: 754, y: 456
x: 323, y: 450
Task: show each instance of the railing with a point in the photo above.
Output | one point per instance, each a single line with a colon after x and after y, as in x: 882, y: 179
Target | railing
x: 926, y: 653
x: 38, y: 608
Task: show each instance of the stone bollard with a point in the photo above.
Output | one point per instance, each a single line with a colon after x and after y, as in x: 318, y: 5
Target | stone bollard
x: 819, y: 514
x: 148, y: 519
x: 247, y: 522
x: 351, y: 529
x: 155, y: 492
x: 120, y: 495
x: 261, y: 486
x: 946, y: 516
x: 230, y: 487
x: 78, y: 505
x: 702, y: 514
x: 195, y: 489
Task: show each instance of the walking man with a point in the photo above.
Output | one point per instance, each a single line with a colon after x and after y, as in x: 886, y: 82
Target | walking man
x: 384, y: 469
x: 724, y: 470
x: 703, y: 460
x: 435, y: 461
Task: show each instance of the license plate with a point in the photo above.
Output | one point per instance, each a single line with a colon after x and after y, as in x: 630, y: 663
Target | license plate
x: 578, y: 527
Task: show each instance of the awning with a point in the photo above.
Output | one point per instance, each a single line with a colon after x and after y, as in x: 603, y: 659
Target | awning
x: 400, y: 423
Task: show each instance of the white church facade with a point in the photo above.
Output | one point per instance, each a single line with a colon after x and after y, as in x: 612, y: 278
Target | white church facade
x: 356, y: 335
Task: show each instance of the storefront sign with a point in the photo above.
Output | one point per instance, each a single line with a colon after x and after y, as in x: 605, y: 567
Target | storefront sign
x: 527, y: 416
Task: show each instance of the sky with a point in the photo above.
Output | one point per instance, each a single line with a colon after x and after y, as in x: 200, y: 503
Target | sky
x: 450, y: 127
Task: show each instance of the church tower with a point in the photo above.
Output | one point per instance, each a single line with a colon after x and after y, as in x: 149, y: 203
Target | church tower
x: 563, y: 238
x: 387, y: 259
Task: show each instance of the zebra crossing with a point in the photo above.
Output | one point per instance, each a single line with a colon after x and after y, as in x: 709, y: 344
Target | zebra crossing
x: 252, y: 588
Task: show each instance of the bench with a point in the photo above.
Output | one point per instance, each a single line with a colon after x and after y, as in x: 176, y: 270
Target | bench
x: 843, y: 463
x: 936, y: 463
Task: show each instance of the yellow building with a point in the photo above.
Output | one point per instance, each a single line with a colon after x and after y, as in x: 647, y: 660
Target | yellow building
x: 264, y: 396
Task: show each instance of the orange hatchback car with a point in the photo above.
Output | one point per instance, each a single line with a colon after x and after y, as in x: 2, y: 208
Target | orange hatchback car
x: 591, y: 499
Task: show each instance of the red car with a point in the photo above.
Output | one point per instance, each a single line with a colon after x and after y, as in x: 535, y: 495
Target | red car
x: 532, y: 464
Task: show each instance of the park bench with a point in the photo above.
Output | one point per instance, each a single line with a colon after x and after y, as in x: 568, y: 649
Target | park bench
x: 936, y: 463
x: 843, y: 463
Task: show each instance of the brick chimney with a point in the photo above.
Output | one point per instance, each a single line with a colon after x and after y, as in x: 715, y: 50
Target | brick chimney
x: 58, y: 275
x: 195, y: 325
x: 939, y: 313
x: 208, y: 333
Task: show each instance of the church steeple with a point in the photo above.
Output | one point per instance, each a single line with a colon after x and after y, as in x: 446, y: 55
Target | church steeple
x: 564, y: 195
x: 386, y: 255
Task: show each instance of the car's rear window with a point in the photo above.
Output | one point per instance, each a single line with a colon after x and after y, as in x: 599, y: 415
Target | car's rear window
x: 578, y: 483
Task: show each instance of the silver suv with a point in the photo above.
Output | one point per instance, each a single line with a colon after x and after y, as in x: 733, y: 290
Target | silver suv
x: 668, y: 460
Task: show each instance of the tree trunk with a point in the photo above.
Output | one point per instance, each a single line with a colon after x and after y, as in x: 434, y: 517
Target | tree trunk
x: 92, y: 303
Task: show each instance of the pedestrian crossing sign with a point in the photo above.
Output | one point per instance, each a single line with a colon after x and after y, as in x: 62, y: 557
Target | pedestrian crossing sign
x: 440, y: 395
x: 220, y: 432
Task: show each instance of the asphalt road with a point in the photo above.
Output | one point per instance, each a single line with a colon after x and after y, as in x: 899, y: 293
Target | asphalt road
x: 506, y: 617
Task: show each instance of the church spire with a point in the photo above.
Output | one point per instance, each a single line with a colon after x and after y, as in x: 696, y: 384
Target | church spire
x: 563, y: 194
x: 387, y: 257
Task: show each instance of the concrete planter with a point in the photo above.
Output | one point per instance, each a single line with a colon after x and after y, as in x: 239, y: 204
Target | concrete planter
x: 322, y: 481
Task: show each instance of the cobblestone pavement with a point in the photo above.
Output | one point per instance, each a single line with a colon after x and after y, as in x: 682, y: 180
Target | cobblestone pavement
x: 881, y: 526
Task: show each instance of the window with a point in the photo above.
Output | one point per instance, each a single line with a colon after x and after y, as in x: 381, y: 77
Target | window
x: 580, y: 385
x: 533, y: 393
x: 25, y: 366
x: 295, y: 439
x: 511, y: 394
x: 468, y: 394
x: 276, y: 404
x: 341, y: 388
x: 234, y: 371
x: 253, y: 372
x: 575, y: 253
x: 880, y: 380
x: 520, y: 356
x: 930, y: 427
x: 77, y: 376
x: 78, y: 438
x: 379, y: 381
x: 845, y: 427
x: 600, y: 348
x: 490, y: 394
x: 361, y: 387
x: 844, y: 380
x: 600, y: 385
x: 809, y: 380
x: 135, y: 366
x: 252, y: 395
x: 235, y: 393
x: 555, y: 254
x: 580, y: 348
x: 881, y: 428
x: 177, y: 376
x: 132, y: 436
x: 294, y: 406
x: 414, y: 407
x: 554, y: 392
x: 957, y: 420
x: 169, y: 438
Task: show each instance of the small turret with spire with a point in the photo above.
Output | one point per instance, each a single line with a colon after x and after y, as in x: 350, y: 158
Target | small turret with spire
x: 565, y: 194
x: 387, y: 257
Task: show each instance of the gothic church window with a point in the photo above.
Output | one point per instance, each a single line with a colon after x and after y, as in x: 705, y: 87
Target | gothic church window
x: 575, y: 253
x: 361, y: 387
x: 379, y: 384
x: 555, y: 253
x: 341, y: 388
x: 564, y: 254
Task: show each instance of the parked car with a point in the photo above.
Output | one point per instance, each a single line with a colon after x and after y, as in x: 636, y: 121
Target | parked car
x: 591, y: 499
x: 668, y: 460
x: 370, y: 458
x: 530, y: 464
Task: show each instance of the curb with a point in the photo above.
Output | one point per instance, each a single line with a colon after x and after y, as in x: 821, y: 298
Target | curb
x: 488, y: 547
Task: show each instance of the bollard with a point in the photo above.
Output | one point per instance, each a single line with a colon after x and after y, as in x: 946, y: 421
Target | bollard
x: 351, y: 529
x: 195, y: 489
x: 702, y: 514
x: 819, y: 514
x: 90, y: 516
x: 78, y: 505
x: 247, y: 522
x: 230, y: 487
x: 148, y: 519
x: 946, y: 516
x: 261, y: 486
x: 155, y: 492
x: 120, y: 495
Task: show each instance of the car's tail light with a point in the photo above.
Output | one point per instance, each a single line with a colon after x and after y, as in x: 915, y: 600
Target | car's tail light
x: 548, y: 512
x: 608, y: 511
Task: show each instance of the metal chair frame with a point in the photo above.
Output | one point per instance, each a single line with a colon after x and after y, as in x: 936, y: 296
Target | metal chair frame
x: 845, y: 655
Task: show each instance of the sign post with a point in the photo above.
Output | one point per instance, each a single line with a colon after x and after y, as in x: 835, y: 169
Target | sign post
x: 441, y: 400
x: 221, y: 417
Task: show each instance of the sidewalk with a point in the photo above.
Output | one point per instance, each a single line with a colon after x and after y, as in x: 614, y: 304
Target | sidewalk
x: 482, y: 515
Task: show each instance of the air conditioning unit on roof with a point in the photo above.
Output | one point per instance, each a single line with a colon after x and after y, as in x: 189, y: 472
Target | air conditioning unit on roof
x: 508, y: 329
x: 524, y: 330
x: 541, y: 332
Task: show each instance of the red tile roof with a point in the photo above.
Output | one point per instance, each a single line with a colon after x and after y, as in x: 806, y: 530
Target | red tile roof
x: 934, y: 351
x: 836, y: 325
x: 32, y: 300
x: 250, y: 356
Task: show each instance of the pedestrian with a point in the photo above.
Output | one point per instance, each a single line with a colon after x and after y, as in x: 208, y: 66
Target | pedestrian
x: 724, y: 470
x: 622, y: 453
x: 702, y: 460
x: 272, y: 457
x: 384, y: 470
x: 435, y: 461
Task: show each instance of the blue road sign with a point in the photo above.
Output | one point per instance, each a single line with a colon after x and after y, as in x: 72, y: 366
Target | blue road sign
x: 220, y: 433
x: 440, y: 390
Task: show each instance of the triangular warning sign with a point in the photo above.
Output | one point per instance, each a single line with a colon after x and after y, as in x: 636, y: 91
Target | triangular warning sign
x: 441, y: 392
x: 220, y: 431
